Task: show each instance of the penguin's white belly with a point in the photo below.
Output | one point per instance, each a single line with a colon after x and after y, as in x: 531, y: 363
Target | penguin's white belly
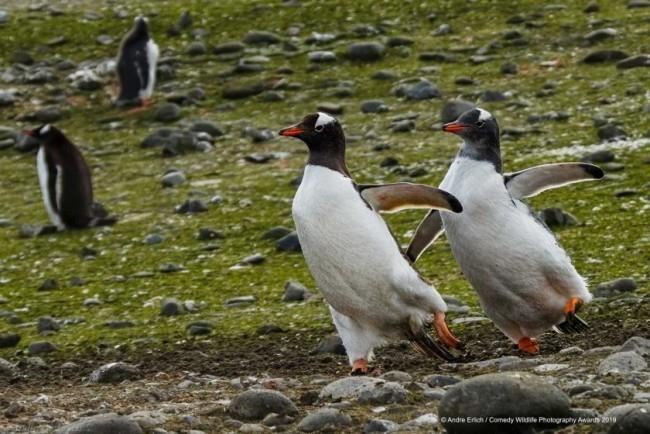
x: 43, y: 178
x: 350, y: 251
x: 152, y: 61
x: 518, y: 269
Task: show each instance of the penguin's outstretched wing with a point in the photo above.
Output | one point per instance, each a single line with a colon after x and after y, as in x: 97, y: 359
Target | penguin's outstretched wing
x: 404, y: 195
x: 532, y: 181
x: 428, y: 231
x: 133, y: 70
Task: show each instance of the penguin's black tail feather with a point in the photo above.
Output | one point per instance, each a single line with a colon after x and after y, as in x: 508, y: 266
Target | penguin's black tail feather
x: 573, y: 324
x: 425, y: 344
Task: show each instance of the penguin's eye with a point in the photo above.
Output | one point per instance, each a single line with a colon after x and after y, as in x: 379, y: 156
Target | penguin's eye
x: 319, y: 128
x: 480, y: 124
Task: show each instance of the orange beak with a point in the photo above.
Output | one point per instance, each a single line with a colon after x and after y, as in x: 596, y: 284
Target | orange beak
x: 454, y: 127
x: 292, y: 131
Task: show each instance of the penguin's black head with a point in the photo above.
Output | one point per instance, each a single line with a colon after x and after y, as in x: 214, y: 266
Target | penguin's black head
x: 480, y: 132
x: 324, y: 137
x: 319, y: 131
x: 476, y: 126
x: 46, y: 134
x: 140, y: 28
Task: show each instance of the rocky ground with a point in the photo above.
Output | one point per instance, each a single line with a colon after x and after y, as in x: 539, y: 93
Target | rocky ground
x: 195, y: 312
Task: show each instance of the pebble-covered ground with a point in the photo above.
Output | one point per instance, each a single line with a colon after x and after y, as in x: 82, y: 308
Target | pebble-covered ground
x: 195, y: 312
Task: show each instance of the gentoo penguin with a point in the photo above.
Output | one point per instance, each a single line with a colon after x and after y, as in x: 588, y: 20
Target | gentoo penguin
x: 524, y: 279
x: 375, y: 294
x: 64, y: 178
x: 136, y: 65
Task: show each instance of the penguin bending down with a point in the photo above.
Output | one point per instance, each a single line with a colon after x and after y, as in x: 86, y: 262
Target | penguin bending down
x: 524, y: 279
x: 136, y: 65
x: 65, y: 182
x: 375, y: 294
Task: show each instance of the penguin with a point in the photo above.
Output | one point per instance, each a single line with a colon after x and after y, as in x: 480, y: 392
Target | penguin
x: 64, y: 178
x: 375, y: 295
x: 136, y: 65
x: 525, y: 280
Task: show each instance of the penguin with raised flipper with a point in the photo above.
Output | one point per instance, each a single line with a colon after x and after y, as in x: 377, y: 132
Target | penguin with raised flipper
x: 136, y: 66
x: 65, y: 182
x: 375, y: 294
x: 525, y: 280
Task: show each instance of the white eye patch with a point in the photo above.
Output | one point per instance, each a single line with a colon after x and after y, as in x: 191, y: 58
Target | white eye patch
x: 484, y: 115
x: 45, y: 129
x: 323, y: 119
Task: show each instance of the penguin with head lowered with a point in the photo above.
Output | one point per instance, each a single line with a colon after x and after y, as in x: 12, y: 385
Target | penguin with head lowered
x: 136, y: 65
x: 65, y: 181
x: 524, y: 279
x: 375, y: 294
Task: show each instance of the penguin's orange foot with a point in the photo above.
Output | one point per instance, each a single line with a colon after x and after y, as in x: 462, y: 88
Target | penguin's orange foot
x: 573, y: 323
x: 443, y: 331
x: 147, y: 102
x: 528, y: 345
x: 359, y: 367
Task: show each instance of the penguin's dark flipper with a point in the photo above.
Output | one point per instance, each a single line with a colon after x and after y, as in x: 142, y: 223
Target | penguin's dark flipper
x: 404, y: 195
x: 534, y: 180
x: 426, y: 234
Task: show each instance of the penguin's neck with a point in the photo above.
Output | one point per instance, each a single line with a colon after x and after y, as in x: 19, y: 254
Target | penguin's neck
x: 490, y: 152
x: 332, y: 157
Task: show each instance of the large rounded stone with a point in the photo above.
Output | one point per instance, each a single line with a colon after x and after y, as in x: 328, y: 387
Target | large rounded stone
x: 630, y: 419
x: 348, y: 387
x: 325, y: 418
x: 366, y: 51
x: 256, y: 404
x: 109, y: 423
x: 501, y: 395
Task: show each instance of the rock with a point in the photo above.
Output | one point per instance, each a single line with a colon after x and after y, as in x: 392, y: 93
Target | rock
x: 591, y: 7
x: 7, y: 369
x: 603, y: 156
x: 509, y: 68
x: 173, y: 178
x: 13, y: 410
x: 228, y: 48
x: 47, y: 323
x: 191, y: 206
x: 254, y: 259
x: 384, y: 393
x: 629, y: 418
x: 21, y: 57
x: 115, y: 372
x: 453, y: 109
x: 633, y: 4
x: 610, y: 132
x: 379, y: 426
x: 556, y: 217
x: 603, y: 56
x: 348, y: 388
x: 294, y: 291
x: 332, y: 345
x: 398, y: 376
x: 199, y: 328
x: 48, y: 115
x: 425, y: 422
x: 501, y: 395
x: 275, y: 420
x: 365, y: 51
x: 331, y: 108
x: 107, y: 423
x: 208, y: 127
x: 255, y: 404
x: 330, y: 419
x: 171, y: 307
x: 600, y: 35
x: 443, y: 29
x: 242, y: 90
x: 422, y: 90
x: 438, y: 380
x: 403, y: 126
x: 196, y: 48
x: 8, y: 340
x: 208, y: 234
x: 41, y: 348
x: 374, y: 106
x: 169, y: 112
x: 622, y: 363
x: 104, y: 39
x: 642, y: 60
x: 276, y: 233
x: 153, y: 239
x: 261, y: 38
x: 4, y: 17
x: 258, y: 158
x: 615, y: 287
x: 493, y: 96
x: 321, y: 56
x: 638, y: 344
x: 148, y: 419
x: 240, y: 301
x: 384, y: 75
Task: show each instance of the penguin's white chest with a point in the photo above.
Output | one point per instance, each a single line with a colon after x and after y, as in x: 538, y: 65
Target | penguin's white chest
x: 348, y: 247
x: 51, y: 199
